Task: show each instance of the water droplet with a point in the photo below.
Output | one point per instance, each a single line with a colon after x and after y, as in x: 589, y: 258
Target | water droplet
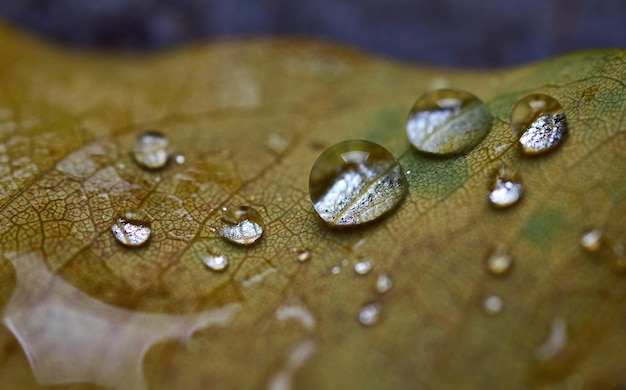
x: 493, y: 304
x: 336, y: 270
x: 132, y: 228
x: 539, y: 121
x: 369, y: 314
x: 150, y: 150
x: 591, y: 240
x: 216, y: 262
x: 277, y: 143
x: 499, y: 263
x: 555, y: 342
x: 344, y: 262
x: 505, y: 192
x: 363, y: 267
x: 242, y: 225
x: 448, y: 121
x: 384, y: 283
x: 180, y: 159
x: 355, y: 182
x: 618, y: 258
x: 303, y: 255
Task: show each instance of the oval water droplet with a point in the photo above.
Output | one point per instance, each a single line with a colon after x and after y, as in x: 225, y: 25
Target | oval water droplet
x: 132, y: 228
x: 151, y: 150
x: 355, y: 182
x: 216, y: 262
x: 591, y: 240
x: 369, y: 314
x: 384, y: 283
x: 539, y: 121
x: 363, y: 267
x: 242, y: 225
x: 493, y: 304
x: 448, y: 121
x: 303, y: 255
x: 336, y: 270
x: 499, y: 263
x: 505, y: 192
x: 180, y: 159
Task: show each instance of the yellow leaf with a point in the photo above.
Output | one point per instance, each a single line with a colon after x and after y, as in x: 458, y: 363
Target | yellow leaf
x: 250, y: 118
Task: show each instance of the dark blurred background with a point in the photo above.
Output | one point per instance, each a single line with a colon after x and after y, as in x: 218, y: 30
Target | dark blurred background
x: 460, y: 33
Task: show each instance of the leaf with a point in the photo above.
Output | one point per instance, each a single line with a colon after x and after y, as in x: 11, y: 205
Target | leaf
x: 250, y: 117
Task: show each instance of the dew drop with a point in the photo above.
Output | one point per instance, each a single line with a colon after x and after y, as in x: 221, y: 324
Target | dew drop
x: 591, y: 240
x: 493, y: 304
x: 132, y: 228
x: 303, y: 255
x: 539, y: 121
x: 499, y: 263
x: 617, y: 260
x: 363, y: 267
x: 180, y: 159
x: 505, y: 192
x: 355, y: 182
x: 216, y: 262
x: 556, y: 341
x: 242, y: 225
x: 369, y: 314
x: 384, y: 283
x: 335, y: 270
x: 344, y: 262
x: 151, y: 150
x: 447, y: 121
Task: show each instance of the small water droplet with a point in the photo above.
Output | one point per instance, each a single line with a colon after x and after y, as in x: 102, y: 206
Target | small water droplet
x: 384, y: 283
x: 180, y: 159
x: 355, y: 182
x: 499, y: 263
x: 216, y: 262
x: 408, y: 171
x: 151, y: 150
x: 617, y: 261
x: 447, y: 121
x: 132, y: 228
x: 591, y: 240
x: 277, y: 143
x: 363, y: 267
x: 539, y: 121
x: 493, y: 304
x: 344, y: 262
x: 369, y: 314
x: 556, y: 341
x: 303, y: 255
x: 505, y: 192
x: 335, y: 270
x: 242, y: 225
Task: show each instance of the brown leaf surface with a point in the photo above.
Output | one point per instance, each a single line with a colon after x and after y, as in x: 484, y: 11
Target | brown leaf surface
x: 250, y: 118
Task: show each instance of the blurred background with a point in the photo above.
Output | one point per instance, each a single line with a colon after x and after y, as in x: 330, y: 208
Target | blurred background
x: 458, y: 33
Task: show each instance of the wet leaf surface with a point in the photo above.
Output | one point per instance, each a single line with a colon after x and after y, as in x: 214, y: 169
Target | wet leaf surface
x: 250, y: 118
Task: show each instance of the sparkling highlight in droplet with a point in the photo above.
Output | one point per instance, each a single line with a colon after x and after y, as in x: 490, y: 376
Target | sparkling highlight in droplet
x: 132, y: 228
x: 369, y: 314
x: 151, y: 150
x: 539, y: 121
x: 591, y: 240
x: 216, y: 262
x: 242, y: 225
x: 355, y: 182
x: 384, y: 283
x: 499, y: 263
x: 363, y: 267
x: 447, y: 122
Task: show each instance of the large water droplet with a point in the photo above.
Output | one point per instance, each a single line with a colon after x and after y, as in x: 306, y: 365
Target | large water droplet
x: 539, y: 121
x: 132, y: 228
x: 216, y: 262
x: 151, y: 150
x: 499, y: 263
x: 242, y: 225
x: 591, y: 240
x: 355, y: 182
x: 447, y: 121
x: 369, y: 314
x: 493, y: 304
x: 363, y: 267
x: 384, y: 283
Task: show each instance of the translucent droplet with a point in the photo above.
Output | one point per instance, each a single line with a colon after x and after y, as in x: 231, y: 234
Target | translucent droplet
x: 384, y: 283
x: 505, y: 192
x: 499, y: 263
x: 242, y: 225
x: 556, y: 341
x: 591, y: 240
x: 448, y: 121
x: 355, y: 182
x: 335, y: 270
x: 617, y: 259
x: 369, y: 314
x: 539, y: 121
x: 303, y: 255
x: 151, y: 150
x: 216, y: 262
x: 180, y: 159
x: 344, y: 262
x: 132, y: 228
x: 363, y: 267
x: 493, y: 304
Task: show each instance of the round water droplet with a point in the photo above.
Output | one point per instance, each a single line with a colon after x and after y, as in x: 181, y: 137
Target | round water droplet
x: 363, y: 267
x: 448, y: 121
x: 242, y: 225
x: 336, y: 270
x: 505, y: 192
x: 384, y: 283
x: 493, y: 304
x: 132, y: 228
x: 369, y: 314
x: 591, y: 240
x: 499, y: 263
x: 355, y: 182
x: 216, y: 262
x: 151, y: 150
x: 303, y: 255
x: 180, y: 159
x: 539, y: 121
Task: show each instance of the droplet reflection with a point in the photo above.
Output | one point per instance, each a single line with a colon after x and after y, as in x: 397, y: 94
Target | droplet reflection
x: 132, y: 228
x: 539, y: 121
x: 242, y: 225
